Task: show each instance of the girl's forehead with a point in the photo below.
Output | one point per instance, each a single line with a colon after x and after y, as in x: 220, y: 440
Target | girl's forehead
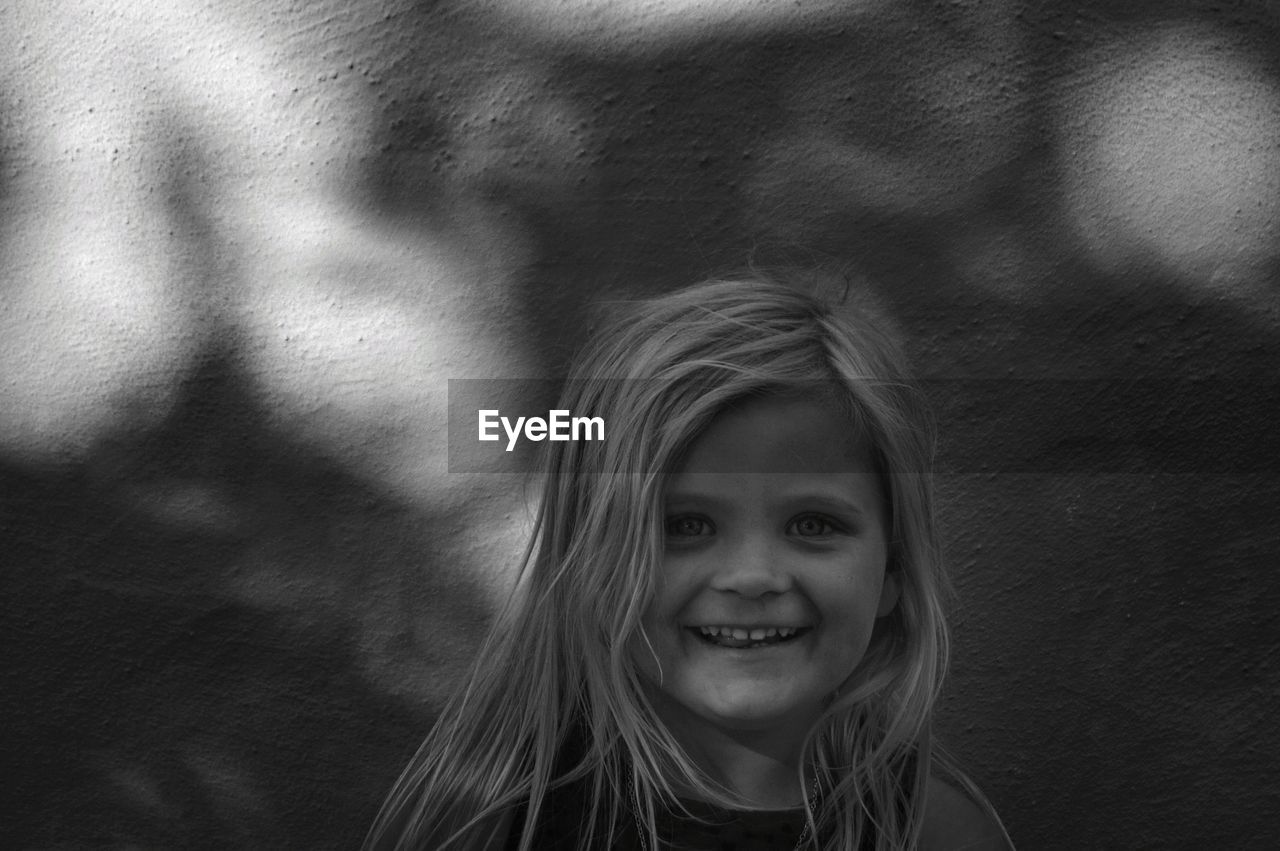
x: 780, y: 435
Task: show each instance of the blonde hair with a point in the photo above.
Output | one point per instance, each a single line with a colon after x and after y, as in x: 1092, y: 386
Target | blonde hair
x: 557, y: 664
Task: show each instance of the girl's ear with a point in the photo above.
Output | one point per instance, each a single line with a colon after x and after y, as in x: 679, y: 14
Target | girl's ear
x: 890, y: 591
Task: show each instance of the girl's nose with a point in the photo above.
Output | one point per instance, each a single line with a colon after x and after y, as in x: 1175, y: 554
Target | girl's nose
x: 751, y: 569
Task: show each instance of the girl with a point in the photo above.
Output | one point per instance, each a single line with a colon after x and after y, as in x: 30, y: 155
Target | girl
x: 728, y: 632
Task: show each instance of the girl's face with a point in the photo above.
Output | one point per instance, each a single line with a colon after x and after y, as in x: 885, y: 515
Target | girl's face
x: 773, y: 573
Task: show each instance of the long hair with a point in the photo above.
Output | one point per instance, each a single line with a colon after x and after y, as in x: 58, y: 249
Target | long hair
x: 557, y: 666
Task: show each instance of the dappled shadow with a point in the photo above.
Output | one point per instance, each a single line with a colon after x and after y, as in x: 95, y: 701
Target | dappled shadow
x: 223, y: 636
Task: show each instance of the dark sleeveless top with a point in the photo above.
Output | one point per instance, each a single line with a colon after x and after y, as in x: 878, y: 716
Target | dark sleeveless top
x: 561, y: 827
x: 562, y: 823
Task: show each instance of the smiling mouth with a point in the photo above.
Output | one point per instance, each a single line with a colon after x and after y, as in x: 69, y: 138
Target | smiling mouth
x: 738, y: 637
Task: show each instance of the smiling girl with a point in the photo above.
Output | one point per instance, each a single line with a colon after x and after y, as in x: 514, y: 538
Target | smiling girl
x: 728, y: 632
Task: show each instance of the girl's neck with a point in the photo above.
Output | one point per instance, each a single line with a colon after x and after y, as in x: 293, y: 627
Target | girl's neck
x: 760, y: 767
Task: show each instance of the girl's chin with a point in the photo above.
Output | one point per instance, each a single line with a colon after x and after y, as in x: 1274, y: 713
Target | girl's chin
x: 756, y: 710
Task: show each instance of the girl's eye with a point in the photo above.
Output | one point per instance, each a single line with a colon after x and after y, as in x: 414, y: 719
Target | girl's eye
x: 688, y: 526
x: 812, y: 526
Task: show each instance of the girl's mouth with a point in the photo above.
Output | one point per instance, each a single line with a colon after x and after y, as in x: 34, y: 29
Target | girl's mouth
x: 740, y: 637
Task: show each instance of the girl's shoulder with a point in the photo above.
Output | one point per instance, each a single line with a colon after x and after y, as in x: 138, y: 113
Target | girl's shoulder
x: 955, y: 821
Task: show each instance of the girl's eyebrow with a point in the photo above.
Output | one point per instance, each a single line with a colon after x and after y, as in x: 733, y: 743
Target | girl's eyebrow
x: 826, y: 502
x: 681, y: 497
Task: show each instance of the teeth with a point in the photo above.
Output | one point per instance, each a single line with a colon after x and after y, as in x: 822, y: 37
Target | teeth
x: 741, y: 634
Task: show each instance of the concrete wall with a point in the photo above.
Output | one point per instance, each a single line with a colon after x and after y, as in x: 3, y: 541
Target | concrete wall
x: 246, y: 244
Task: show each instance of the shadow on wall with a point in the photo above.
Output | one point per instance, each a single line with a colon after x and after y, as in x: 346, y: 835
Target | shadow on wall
x: 225, y: 637
x: 247, y: 246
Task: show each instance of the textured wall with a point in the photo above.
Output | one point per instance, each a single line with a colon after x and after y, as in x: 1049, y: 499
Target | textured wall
x: 245, y: 245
